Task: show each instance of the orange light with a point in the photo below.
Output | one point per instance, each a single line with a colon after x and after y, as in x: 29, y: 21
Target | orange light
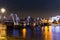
x: 24, y: 33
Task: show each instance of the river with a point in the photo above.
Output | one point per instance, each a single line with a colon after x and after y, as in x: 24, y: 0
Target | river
x: 38, y: 33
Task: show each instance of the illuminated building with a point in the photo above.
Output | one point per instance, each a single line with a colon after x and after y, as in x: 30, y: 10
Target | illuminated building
x: 55, y: 18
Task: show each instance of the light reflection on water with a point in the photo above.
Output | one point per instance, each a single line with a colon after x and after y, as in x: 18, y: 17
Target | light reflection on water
x: 43, y: 33
x: 24, y: 33
x: 38, y: 33
x: 16, y: 33
x: 56, y: 32
x: 3, y: 32
x: 48, y: 33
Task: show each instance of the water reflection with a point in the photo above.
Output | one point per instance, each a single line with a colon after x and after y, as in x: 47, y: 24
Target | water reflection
x: 48, y: 33
x: 24, y: 33
x: 15, y: 33
x: 38, y: 33
x: 3, y: 32
x: 42, y: 33
x: 56, y: 32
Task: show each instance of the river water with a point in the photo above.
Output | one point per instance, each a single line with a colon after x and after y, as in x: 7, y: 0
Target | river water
x: 38, y: 33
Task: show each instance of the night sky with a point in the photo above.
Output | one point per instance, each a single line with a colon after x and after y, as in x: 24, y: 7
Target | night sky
x: 34, y: 8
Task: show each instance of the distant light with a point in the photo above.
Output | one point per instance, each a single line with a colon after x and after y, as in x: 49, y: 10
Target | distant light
x: 37, y: 18
x: 11, y: 14
x: 34, y: 24
x: 24, y: 24
x: 4, y: 17
x: 0, y: 17
x: 17, y: 18
x: 3, y: 10
x: 55, y: 18
x: 27, y: 23
x: 29, y: 17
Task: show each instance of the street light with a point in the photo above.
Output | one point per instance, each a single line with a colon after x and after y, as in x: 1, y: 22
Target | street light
x: 3, y: 10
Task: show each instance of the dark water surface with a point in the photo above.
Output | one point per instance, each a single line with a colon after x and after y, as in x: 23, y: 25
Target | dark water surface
x: 38, y: 33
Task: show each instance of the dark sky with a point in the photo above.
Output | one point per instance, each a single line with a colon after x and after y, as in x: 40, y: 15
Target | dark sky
x: 35, y: 8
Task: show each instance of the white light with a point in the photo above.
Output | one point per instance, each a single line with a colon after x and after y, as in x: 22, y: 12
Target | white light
x: 55, y: 18
x: 37, y: 18
x: 11, y: 14
x: 4, y: 17
x: 28, y: 17
x: 3, y: 10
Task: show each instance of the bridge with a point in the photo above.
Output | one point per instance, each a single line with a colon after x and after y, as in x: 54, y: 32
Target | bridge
x: 11, y: 23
